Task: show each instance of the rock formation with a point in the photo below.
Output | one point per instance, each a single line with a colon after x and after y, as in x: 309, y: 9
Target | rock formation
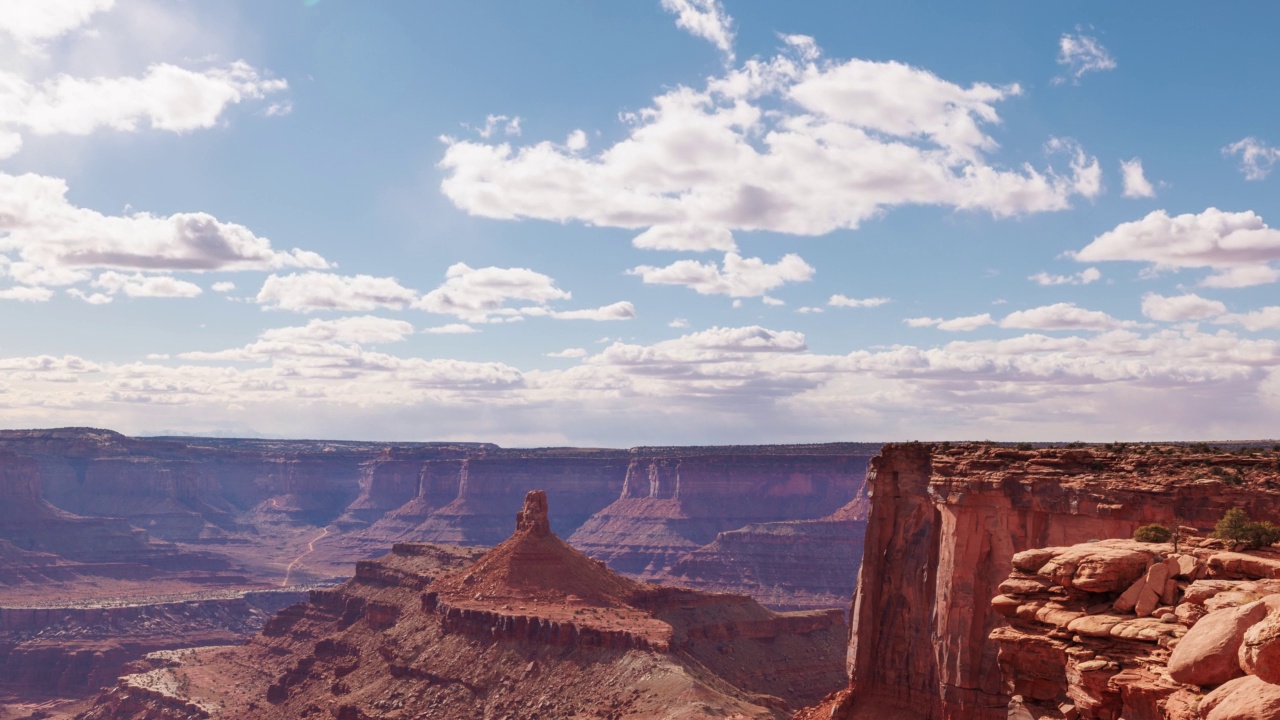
x: 1141, y: 631
x: 944, y: 526
x: 672, y: 505
x: 532, y: 628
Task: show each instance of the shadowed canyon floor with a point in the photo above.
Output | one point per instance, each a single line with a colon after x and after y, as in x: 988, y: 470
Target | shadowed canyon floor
x: 532, y: 628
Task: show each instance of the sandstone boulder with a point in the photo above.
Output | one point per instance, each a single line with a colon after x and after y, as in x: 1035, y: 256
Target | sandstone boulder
x: 1207, y: 654
x: 1260, y: 649
x: 1099, y: 568
x: 1246, y: 698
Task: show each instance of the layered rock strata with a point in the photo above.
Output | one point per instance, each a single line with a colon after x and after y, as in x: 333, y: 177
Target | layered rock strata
x: 1123, y: 629
x: 944, y: 526
x: 532, y: 628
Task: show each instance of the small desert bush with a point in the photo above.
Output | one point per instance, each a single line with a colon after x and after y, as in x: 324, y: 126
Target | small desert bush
x: 1235, y: 526
x: 1153, y: 533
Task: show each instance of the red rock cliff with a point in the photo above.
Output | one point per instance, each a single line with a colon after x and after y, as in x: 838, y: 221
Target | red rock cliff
x: 945, y: 524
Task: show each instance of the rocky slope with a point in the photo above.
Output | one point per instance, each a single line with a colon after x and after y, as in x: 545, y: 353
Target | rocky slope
x: 1141, y: 631
x: 532, y: 628
x: 945, y: 523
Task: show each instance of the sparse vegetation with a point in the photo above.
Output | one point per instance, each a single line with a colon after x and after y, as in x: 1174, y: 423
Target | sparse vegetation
x: 1153, y: 533
x: 1235, y: 526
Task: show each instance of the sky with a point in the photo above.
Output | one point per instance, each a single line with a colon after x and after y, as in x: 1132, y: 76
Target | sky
x: 576, y: 222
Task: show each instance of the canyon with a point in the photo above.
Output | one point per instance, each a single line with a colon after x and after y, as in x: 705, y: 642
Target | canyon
x: 220, y: 531
x: 531, y: 628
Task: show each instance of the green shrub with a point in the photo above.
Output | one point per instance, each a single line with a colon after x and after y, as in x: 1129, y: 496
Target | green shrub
x: 1235, y: 526
x: 1025, y: 446
x: 1153, y: 533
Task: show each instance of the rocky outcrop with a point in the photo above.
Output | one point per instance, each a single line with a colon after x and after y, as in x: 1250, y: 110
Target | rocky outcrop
x: 530, y: 628
x: 946, y: 522
x: 1078, y: 646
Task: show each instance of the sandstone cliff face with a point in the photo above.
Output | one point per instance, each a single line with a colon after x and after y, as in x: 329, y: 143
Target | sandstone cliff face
x: 792, y: 565
x: 944, y: 527
x: 533, y: 628
x: 671, y: 506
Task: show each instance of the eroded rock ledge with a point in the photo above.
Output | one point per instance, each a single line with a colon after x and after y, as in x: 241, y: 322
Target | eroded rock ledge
x: 1124, y: 629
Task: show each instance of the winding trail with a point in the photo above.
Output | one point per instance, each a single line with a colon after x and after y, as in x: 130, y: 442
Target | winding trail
x: 311, y: 547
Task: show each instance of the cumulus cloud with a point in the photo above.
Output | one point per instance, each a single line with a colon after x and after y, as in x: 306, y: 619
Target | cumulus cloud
x: 1239, y: 246
x: 617, y: 311
x: 1062, y: 316
x: 32, y: 22
x: 967, y: 323
x: 1136, y: 184
x: 678, y: 323
x: 738, y: 277
x: 706, y: 19
x: 166, y: 97
x: 1180, y: 307
x: 1081, y: 54
x: 46, y: 240
x: 790, y: 144
x: 23, y: 293
x: 145, y: 286
x: 568, y: 353
x: 307, y: 292
x: 364, y: 329
x: 452, y: 329
x: 1267, y: 318
x: 848, y: 302
x: 1084, y: 277
x: 223, y: 286
x: 1257, y: 158
x: 476, y: 295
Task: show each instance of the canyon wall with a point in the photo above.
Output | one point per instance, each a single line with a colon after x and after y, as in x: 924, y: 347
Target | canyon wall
x: 945, y: 523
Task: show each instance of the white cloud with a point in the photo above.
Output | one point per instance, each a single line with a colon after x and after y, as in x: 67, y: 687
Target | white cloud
x: 678, y: 323
x: 568, y: 353
x: 706, y: 19
x: 23, y: 293
x: 1239, y: 246
x: 842, y: 301
x: 739, y: 277
x: 1136, y: 184
x: 365, y: 329
x: 1257, y: 158
x: 1082, y: 54
x: 145, y: 286
x: 305, y: 292
x: 1180, y: 307
x: 772, y: 301
x: 495, y: 123
x: 224, y: 286
x: 1062, y: 316
x: 787, y: 145
x: 967, y: 323
x: 809, y: 310
x: 56, y: 243
x: 577, y: 141
x: 1084, y: 277
x: 32, y: 22
x: 1267, y: 318
x: 617, y: 311
x: 451, y: 329
x: 166, y: 97
x: 476, y: 295
x: 91, y: 298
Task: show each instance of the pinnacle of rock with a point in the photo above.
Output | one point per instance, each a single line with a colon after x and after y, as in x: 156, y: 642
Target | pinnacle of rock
x: 532, y: 518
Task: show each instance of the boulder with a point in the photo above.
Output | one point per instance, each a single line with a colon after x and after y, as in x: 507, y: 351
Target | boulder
x: 1208, y: 653
x: 1246, y: 698
x: 1260, y: 649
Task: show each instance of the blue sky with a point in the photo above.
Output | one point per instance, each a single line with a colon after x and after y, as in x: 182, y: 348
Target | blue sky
x: 666, y: 221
